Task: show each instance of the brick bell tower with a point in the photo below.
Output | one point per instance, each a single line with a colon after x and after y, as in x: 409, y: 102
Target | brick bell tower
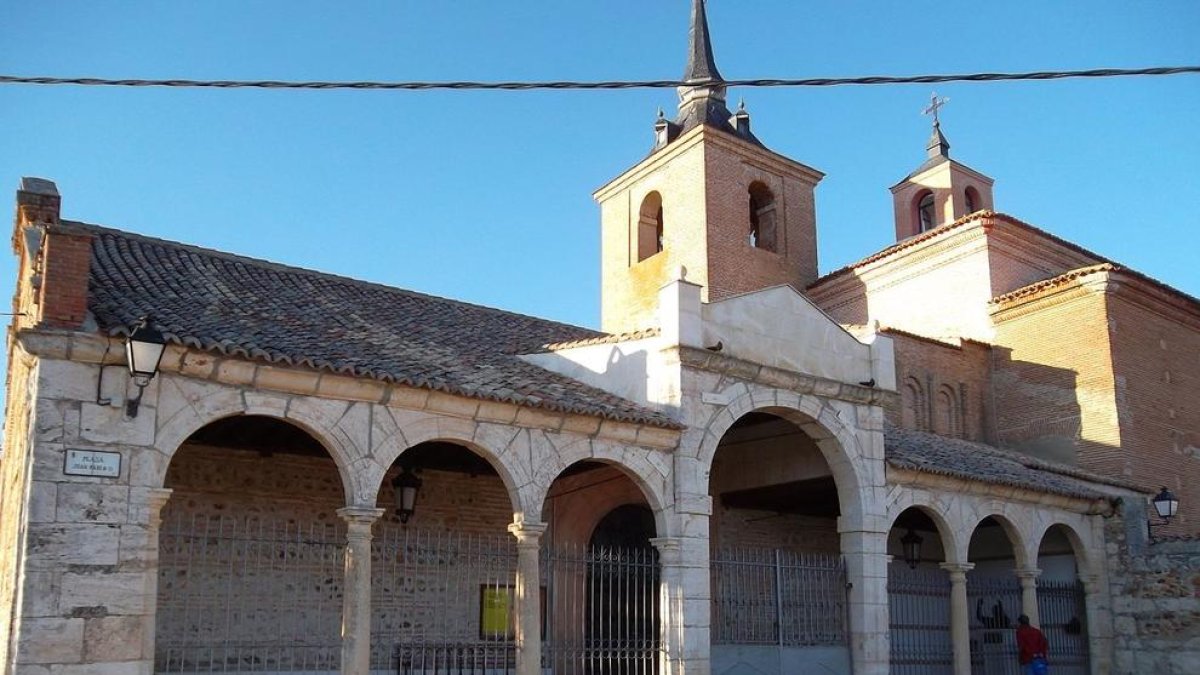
x: 941, y: 190
x: 710, y: 197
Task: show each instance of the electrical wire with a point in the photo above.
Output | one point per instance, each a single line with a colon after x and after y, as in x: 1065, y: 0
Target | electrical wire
x: 641, y: 84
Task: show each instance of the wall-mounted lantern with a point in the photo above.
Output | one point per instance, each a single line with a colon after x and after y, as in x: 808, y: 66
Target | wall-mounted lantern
x: 143, y: 351
x: 1166, y: 505
x: 911, y: 544
x: 405, y: 486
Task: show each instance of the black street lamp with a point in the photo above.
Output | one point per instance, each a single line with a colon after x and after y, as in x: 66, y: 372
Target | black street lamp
x: 911, y: 544
x: 1166, y: 505
x: 143, y: 351
x: 405, y: 487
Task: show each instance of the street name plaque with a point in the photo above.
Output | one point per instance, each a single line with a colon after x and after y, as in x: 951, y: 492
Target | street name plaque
x: 92, y: 463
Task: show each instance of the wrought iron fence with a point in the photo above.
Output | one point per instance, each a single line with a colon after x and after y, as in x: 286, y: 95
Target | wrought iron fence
x: 777, y: 597
x: 601, y: 611
x: 248, y: 595
x: 1063, y: 615
x: 995, y: 603
x: 919, y: 617
x: 442, y: 602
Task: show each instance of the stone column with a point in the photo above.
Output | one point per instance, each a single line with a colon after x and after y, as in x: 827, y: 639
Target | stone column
x: 867, y: 573
x: 960, y: 629
x: 154, y: 501
x: 529, y: 597
x: 356, y: 590
x: 670, y: 600
x: 1098, y: 623
x: 1029, y: 602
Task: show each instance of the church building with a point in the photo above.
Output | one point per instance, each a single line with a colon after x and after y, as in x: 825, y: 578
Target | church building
x: 219, y: 464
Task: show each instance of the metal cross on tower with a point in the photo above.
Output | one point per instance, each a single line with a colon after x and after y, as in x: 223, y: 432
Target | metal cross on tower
x: 935, y: 104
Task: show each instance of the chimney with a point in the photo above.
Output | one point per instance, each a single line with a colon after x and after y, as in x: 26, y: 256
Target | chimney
x: 38, y: 202
x: 59, y: 266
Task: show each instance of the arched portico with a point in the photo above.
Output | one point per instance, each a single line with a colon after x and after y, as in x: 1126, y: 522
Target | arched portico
x: 921, y: 609
x: 250, y: 551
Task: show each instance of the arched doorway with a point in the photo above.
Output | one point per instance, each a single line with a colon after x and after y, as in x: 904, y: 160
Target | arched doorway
x: 443, y: 565
x: 994, y: 599
x: 778, y: 579
x: 601, y: 574
x: 1062, y: 602
x: 918, y: 597
x: 250, y: 552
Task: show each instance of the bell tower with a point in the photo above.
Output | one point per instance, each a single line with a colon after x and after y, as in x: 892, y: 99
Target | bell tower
x: 941, y: 190
x: 710, y: 197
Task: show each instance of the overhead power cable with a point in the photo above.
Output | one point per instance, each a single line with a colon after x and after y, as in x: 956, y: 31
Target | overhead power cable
x: 637, y: 84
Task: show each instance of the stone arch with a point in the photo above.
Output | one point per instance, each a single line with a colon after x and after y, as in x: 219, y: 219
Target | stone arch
x: 837, y: 441
x: 926, y: 504
x: 224, y: 403
x: 586, y: 520
x: 633, y: 463
x: 460, y: 432
x: 1079, y: 546
x: 1018, y: 539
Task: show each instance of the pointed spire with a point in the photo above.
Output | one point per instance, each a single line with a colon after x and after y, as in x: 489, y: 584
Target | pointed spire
x: 938, y: 146
x: 701, y: 65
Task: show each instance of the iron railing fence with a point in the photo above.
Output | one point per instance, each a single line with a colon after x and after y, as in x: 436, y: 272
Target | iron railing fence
x: 249, y: 594
x: 442, y: 602
x: 1062, y: 611
x: 919, y: 618
x: 601, y: 612
x: 994, y: 601
x: 778, y: 597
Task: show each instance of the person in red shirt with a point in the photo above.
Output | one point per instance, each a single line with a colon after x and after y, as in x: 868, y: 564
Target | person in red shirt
x: 1030, y: 644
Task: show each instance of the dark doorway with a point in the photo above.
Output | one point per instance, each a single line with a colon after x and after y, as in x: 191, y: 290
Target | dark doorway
x: 622, y: 622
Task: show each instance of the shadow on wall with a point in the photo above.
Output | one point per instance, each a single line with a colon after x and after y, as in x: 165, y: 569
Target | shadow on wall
x: 1036, y: 409
x: 621, y: 369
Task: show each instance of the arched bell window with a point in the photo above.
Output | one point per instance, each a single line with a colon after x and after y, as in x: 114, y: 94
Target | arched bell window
x: 650, y: 226
x: 763, y: 221
x: 971, y: 199
x: 926, y: 216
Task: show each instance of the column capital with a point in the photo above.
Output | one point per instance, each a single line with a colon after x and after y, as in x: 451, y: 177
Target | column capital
x: 1027, y: 574
x: 527, y: 533
x: 156, y: 499
x: 958, y: 571
x: 360, y: 518
x: 670, y: 549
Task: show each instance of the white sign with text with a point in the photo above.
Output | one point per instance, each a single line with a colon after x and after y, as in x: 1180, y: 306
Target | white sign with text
x: 93, y: 463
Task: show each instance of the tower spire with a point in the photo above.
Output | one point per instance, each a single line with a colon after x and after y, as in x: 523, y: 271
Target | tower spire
x: 701, y: 65
x: 938, y: 146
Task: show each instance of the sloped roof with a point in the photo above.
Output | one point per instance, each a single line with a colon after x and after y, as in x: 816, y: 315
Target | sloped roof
x: 931, y: 453
x: 260, y: 310
x: 1081, y: 272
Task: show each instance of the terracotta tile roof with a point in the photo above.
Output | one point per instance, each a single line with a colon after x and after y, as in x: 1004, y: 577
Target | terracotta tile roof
x: 931, y: 453
x: 603, y: 339
x: 269, y: 312
x: 1053, y: 282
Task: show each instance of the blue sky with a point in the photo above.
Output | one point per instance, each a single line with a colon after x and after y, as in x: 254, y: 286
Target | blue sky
x: 485, y: 196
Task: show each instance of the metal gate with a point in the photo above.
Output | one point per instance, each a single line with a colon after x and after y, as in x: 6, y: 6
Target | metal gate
x: 994, y: 603
x: 1062, y: 609
x: 248, y: 595
x: 442, y: 602
x: 919, y: 617
x: 778, y: 597
x: 601, y: 610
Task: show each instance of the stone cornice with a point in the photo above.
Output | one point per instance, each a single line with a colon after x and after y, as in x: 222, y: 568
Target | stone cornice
x: 938, y: 482
x: 1051, y: 297
x: 703, y: 359
x: 237, y: 372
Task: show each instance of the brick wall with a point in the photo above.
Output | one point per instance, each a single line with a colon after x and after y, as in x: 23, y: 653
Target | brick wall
x: 1053, y: 381
x: 942, y: 371
x: 1156, y: 358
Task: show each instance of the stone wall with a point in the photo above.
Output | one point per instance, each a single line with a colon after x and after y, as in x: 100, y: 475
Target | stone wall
x: 14, y: 485
x: 1155, y: 598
